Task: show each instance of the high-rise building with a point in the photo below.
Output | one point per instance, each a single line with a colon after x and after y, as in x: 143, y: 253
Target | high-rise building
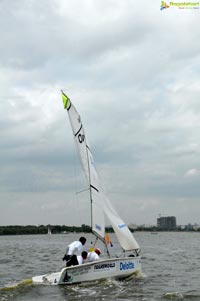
x: 166, y: 223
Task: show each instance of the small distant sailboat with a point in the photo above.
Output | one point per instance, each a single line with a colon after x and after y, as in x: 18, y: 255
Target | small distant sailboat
x: 49, y: 231
x: 111, y: 267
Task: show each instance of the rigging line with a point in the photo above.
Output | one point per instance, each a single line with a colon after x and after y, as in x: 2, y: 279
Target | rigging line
x: 96, y: 239
x: 107, y: 251
x: 102, y: 240
x: 83, y: 190
x: 99, y: 237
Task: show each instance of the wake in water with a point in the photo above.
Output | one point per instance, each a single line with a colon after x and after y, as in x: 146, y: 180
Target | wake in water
x: 102, y: 289
x: 189, y: 295
x: 13, y: 290
x: 173, y: 296
x: 16, y: 285
x: 137, y: 275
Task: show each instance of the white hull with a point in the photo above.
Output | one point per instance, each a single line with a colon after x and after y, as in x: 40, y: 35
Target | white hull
x: 117, y: 268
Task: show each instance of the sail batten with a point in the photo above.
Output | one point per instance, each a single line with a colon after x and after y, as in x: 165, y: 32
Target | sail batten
x: 78, y: 131
x: 100, y: 204
x: 94, y: 188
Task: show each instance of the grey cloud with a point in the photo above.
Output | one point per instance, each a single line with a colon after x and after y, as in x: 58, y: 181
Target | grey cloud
x: 134, y: 78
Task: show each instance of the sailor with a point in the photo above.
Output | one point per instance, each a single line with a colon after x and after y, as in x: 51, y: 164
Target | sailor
x: 72, y: 251
x: 82, y: 258
x: 93, y: 256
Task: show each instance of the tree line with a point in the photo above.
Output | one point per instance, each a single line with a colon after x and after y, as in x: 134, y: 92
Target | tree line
x: 59, y: 229
x: 43, y: 229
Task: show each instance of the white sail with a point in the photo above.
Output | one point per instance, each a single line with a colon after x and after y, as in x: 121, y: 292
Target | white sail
x: 100, y: 203
x: 97, y: 220
x: 125, y: 237
x: 49, y: 230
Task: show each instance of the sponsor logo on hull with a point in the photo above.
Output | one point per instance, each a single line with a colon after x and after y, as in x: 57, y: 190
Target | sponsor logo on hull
x: 126, y: 265
x: 104, y: 266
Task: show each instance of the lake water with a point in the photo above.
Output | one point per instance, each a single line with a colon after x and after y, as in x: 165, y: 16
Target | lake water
x: 170, y: 264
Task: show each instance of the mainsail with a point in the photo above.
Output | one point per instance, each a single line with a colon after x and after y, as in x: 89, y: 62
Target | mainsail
x: 100, y: 204
x: 97, y: 214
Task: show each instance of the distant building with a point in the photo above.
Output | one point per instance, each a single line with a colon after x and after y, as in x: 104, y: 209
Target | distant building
x: 166, y: 223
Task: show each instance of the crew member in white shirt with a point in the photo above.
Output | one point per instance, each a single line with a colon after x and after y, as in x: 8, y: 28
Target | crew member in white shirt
x: 72, y: 251
x: 82, y: 258
x: 93, y: 256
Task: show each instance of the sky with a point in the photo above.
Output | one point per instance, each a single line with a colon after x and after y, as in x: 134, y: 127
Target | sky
x: 133, y: 73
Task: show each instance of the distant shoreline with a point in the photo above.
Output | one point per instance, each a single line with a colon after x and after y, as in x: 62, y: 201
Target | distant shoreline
x: 57, y: 229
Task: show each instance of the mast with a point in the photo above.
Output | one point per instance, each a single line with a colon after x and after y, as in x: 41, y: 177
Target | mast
x: 91, y: 219
x: 91, y: 200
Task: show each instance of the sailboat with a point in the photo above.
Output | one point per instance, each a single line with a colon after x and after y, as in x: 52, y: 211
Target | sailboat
x: 101, y: 207
x: 49, y: 231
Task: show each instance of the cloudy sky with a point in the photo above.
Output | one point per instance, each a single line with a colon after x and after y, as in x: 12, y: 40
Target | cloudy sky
x: 133, y: 73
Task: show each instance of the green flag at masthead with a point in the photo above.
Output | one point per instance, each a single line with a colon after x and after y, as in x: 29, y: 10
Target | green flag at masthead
x: 65, y: 99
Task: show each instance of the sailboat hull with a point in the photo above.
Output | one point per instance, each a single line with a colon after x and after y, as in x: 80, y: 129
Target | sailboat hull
x: 117, y: 268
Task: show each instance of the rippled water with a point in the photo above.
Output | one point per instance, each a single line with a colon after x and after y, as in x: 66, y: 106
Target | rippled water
x: 170, y: 263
